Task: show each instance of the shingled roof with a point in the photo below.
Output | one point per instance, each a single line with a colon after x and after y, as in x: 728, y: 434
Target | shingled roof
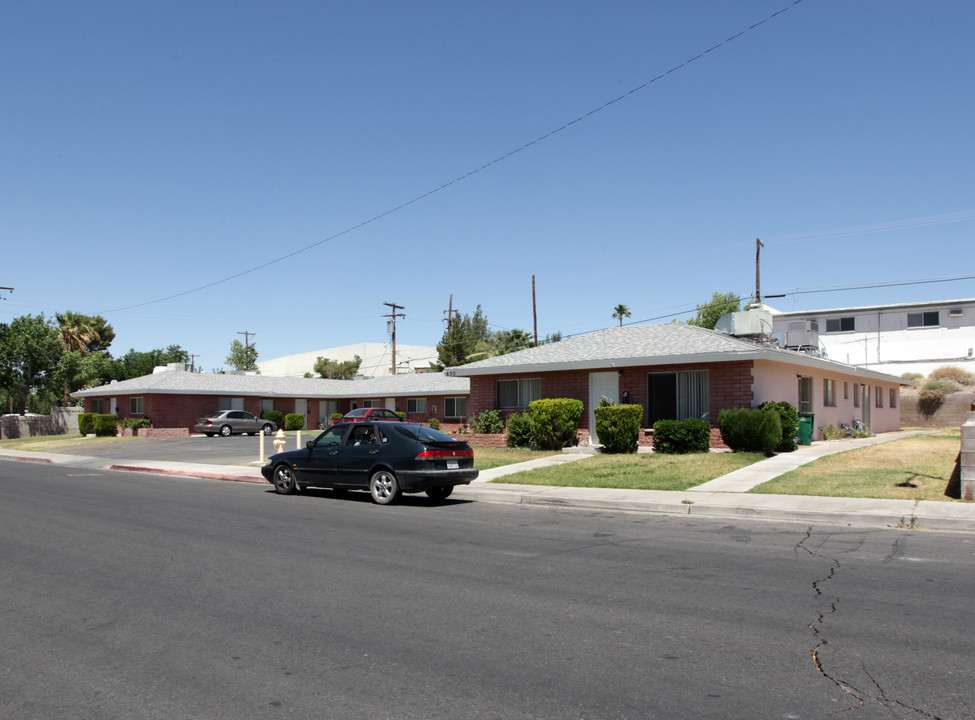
x: 639, y: 345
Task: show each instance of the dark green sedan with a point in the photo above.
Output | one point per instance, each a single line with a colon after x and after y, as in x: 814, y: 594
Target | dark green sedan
x: 385, y: 458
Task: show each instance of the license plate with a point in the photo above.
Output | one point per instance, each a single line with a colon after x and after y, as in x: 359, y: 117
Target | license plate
x: 453, y: 465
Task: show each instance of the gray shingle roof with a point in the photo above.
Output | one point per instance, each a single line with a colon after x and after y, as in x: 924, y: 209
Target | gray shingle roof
x: 186, y: 383
x: 638, y: 345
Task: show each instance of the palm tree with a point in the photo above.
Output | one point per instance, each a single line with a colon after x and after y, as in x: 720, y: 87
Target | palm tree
x: 620, y: 312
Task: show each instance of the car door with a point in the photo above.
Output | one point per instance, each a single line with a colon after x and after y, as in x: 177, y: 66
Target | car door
x: 358, y: 454
x: 246, y: 423
x: 322, y: 463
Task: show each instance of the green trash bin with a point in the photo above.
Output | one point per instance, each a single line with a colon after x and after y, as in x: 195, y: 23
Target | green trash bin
x: 806, y: 428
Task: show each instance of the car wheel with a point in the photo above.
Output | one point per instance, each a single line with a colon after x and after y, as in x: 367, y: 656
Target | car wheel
x: 384, y: 488
x: 225, y: 431
x: 284, y: 480
x: 440, y: 492
x: 267, y: 429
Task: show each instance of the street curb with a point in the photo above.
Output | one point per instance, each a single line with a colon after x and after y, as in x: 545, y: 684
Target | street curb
x: 186, y: 473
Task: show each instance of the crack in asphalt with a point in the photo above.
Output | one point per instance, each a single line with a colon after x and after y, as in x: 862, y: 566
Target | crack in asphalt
x: 858, y: 695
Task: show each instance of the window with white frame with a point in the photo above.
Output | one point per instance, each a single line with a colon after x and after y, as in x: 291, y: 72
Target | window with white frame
x: 416, y: 405
x: 893, y: 397
x: 829, y: 393
x: 455, y: 407
x: 372, y: 403
x: 136, y: 406
x: 805, y: 394
x: 230, y: 403
x: 923, y: 319
x: 678, y: 395
x: 518, y: 393
x: 841, y: 324
x: 878, y: 396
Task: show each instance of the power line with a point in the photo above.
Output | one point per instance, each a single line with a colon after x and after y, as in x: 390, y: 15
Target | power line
x: 471, y: 173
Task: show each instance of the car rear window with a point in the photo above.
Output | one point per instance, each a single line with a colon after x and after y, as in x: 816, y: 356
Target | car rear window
x: 423, y: 433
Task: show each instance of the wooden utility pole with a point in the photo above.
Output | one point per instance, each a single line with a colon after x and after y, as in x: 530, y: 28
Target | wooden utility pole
x: 758, y: 271
x: 392, y: 323
x: 193, y: 362
x: 534, y: 311
x: 450, y: 314
x: 7, y: 289
x: 247, y: 337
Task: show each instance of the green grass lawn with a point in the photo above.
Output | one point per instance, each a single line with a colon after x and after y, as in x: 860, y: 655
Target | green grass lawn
x: 638, y: 471
x: 921, y: 467
x: 487, y: 458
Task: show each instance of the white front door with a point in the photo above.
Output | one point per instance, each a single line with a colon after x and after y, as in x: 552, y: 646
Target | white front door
x: 391, y: 404
x: 601, y: 384
x: 301, y: 407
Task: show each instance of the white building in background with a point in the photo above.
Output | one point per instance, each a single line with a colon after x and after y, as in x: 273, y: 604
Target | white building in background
x: 377, y: 360
x: 894, y: 339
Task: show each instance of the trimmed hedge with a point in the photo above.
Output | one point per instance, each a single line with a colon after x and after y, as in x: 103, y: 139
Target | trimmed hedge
x: 750, y: 430
x: 294, y: 421
x: 679, y: 437
x: 519, y: 431
x: 555, y: 422
x: 789, y: 418
x: 275, y: 417
x: 434, y: 423
x: 618, y: 427
x: 86, y: 423
x: 106, y: 425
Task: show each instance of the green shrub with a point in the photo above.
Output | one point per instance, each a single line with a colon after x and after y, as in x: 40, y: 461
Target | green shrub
x: 679, y: 437
x: 949, y: 372
x: 488, y: 422
x: 274, y: 416
x: 831, y: 432
x: 750, y: 430
x: 106, y: 425
x: 434, y: 423
x: 555, y: 422
x: 789, y: 419
x: 402, y: 415
x: 618, y: 427
x: 519, y: 430
x: 135, y: 423
x: 337, y: 416
x: 294, y: 421
x: 86, y: 423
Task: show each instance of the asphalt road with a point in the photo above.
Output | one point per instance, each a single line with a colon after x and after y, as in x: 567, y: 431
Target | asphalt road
x: 234, y: 450
x: 125, y: 595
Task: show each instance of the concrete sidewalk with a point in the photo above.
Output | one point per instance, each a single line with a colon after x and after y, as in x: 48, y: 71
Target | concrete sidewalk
x: 723, y: 497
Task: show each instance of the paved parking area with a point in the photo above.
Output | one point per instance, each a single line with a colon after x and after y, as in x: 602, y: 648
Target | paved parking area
x: 235, y: 450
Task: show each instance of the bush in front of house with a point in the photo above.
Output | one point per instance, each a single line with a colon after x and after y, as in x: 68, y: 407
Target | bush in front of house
x: 86, y: 423
x: 750, y: 430
x: 488, y: 422
x: 519, y: 431
x: 789, y: 419
x: 275, y: 417
x: 105, y: 425
x: 135, y: 423
x: 680, y: 437
x: 294, y: 421
x: 555, y: 422
x: 434, y: 423
x: 618, y: 427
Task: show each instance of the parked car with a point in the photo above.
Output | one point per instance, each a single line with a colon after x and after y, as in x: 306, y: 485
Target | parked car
x: 360, y: 414
x: 232, y: 422
x: 387, y: 459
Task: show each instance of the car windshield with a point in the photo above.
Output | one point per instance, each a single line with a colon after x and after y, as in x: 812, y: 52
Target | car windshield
x: 356, y: 413
x: 423, y: 433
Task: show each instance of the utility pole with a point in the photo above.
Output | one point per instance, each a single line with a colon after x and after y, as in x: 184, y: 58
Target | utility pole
x: 247, y: 337
x: 193, y: 362
x: 758, y: 273
x: 5, y: 288
x: 450, y: 314
x: 534, y: 311
x: 391, y: 323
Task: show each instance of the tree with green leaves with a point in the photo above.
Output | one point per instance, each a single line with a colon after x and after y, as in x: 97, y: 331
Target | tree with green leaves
x: 136, y: 364
x: 620, y: 312
x: 242, y: 357
x: 337, y: 369
x: 509, y: 341
x: 721, y: 304
x: 465, y: 340
x: 84, y: 333
x: 30, y: 348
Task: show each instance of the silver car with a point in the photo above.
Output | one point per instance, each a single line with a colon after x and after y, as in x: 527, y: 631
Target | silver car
x: 232, y: 422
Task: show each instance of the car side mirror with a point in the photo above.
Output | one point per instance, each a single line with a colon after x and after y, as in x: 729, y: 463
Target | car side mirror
x: 310, y: 444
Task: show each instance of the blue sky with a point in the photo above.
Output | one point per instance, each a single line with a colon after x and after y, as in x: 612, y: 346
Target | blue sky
x: 151, y: 149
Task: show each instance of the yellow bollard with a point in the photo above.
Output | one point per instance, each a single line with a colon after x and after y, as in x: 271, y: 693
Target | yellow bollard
x: 299, y: 440
x: 260, y: 439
